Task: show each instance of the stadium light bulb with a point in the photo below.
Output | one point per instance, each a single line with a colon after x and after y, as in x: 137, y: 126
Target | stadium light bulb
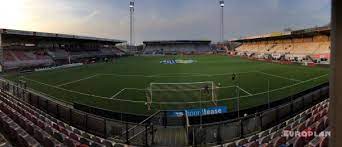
x: 131, y: 4
x: 221, y: 3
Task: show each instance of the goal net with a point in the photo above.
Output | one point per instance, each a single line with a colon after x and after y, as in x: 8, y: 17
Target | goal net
x: 182, y: 92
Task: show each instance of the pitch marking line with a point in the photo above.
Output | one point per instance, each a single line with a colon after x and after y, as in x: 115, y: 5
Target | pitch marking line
x: 77, y: 92
x: 140, y: 89
x: 174, y: 74
x: 291, y: 79
x: 244, y: 90
x: 244, y: 96
x: 172, y: 103
x: 75, y: 81
x: 122, y: 90
x: 118, y: 93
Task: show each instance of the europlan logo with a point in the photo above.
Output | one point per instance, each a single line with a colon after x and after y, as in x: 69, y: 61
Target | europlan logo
x: 306, y: 133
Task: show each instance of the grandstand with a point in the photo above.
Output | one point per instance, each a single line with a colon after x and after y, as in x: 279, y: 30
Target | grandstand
x: 308, y: 45
x: 173, y: 47
x: 25, y: 49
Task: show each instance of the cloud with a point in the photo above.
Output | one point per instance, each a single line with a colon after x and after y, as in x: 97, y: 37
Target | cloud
x: 176, y: 19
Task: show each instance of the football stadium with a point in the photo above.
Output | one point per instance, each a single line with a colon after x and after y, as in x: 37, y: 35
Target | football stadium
x: 71, y: 90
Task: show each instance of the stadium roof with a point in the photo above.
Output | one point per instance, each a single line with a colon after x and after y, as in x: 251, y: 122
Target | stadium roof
x: 176, y: 41
x: 54, y: 35
x: 294, y: 34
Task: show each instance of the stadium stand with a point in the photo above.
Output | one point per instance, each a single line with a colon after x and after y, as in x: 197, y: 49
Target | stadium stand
x: 176, y: 47
x: 52, y: 49
x: 312, y: 45
x: 58, y: 54
x: 17, y: 58
x: 314, y: 119
x: 29, y: 126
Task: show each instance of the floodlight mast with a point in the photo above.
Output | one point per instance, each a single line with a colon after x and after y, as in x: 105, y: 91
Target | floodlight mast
x: 222, y: 21
x: 131, y: 29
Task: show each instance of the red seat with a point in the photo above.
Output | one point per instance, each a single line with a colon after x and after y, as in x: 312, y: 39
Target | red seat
x: 26, y: 140
x: 265, y: 139
x: 64, y: 131
x: 49, y: 130
x: 74, y: 136
x: 40, y: 134
x: 299, y: 142
x: 71, y: 143
x: 100, y: 140
x: 301, y: 127
x: 279, y: 141
x: 41, y: 124
x: 30, y: 127
x: 55, y: 126
x: 49, y: 141
x: 85, y: 141
x: 325, y: 142
x: 34, y: 120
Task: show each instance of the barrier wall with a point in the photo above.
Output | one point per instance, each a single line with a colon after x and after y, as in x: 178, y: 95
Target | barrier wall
x: 223, y: 132
x: 161, y: 130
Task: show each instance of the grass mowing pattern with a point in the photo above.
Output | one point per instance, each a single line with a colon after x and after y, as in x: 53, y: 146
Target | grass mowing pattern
x: 121, y: 86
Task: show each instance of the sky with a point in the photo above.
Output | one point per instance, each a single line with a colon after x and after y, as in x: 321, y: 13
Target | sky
x: 163, y: 19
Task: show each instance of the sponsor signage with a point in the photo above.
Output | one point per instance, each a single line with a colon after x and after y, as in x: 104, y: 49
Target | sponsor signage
x: 199, y: 111
x: 177, y: 61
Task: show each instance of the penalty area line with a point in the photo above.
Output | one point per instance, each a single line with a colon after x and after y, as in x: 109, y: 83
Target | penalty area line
x: 116, y: 94
x: 244, y: 90
x: 291, y: 79
x: 75, y: 81
x: 122, y: 90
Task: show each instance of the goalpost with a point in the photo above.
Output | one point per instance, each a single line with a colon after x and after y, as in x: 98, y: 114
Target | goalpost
x: 181, y: 92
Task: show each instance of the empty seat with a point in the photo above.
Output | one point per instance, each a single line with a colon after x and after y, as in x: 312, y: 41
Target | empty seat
x: 276, y: 134
x: 29, y: 127
x: 59, y: 136
x: 64, y: 131
x: 40, y: 135
x: 109, y: 143
x: 49, y: 141
x: 241, y: 142
x: 25, y: 140
x: 95, y: 144
x: 252, y: 144
x: 299, y: 142
x: 71, y: 143
x: 278, y: 141
x: 325, y: 142
x: 77, y: 131
x: 86, y: 135
x: 41, y: 124
x: 49, y: 130
x: 85, y: 141
x: 263, y: 133
x: 265, y: 139
x: 97, y: 139
x: 74, y: 136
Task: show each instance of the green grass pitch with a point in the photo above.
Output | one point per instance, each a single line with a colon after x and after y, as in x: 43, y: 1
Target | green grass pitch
x: 122, y: 86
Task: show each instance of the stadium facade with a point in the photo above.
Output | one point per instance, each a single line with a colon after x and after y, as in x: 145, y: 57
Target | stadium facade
x: 28, y: 49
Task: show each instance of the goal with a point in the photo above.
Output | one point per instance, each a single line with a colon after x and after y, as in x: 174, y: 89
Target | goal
x: 182, y: 92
